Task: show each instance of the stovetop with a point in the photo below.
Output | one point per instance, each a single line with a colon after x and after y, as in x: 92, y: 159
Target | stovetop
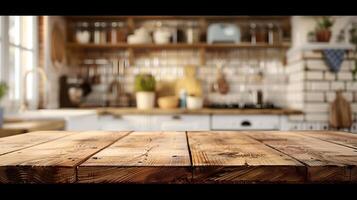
x: 243, y: 106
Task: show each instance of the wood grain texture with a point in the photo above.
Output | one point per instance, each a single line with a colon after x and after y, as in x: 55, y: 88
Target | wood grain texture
x: 54, y: 161
x: 18, y: 142
x: 342, y: 138
x: 229, y: 157
x: 141, y: 157
x: 178, y: 157
x: 325, y: 161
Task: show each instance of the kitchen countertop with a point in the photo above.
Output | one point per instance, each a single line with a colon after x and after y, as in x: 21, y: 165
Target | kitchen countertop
x: 53, y: 114
x: 179, y: 157
x: 14, y: 127
x: 203, y: 111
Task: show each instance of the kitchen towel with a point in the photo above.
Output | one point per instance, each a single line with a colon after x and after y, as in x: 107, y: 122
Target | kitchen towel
x: 334, y: 58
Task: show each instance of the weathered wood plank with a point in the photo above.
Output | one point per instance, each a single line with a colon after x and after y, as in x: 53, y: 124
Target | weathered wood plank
x: 17, y: 142
x: 325, y: 161
x: 342, y: 138
x: 54, y: 161
x: 228, y: 157
x: 141, y: 157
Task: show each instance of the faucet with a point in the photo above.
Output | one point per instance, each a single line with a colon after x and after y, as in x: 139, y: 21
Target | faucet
x: 42, y: 98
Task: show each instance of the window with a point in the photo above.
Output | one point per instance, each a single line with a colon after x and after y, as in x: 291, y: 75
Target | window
x: 20, y: 50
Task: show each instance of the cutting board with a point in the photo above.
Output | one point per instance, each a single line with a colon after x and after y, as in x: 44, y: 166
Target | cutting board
x: 341, y: 114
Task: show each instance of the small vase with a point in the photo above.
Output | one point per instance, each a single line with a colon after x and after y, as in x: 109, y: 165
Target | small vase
x: 145, y: 100
x: 323, y: 35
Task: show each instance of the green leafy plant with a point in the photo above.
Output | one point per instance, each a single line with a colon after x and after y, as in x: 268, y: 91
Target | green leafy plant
x: 145, y: 83
x: 3, y: 90
x: 324, y: 23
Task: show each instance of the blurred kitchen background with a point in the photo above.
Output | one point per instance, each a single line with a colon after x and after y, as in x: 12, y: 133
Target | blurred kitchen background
x: 178, y: 73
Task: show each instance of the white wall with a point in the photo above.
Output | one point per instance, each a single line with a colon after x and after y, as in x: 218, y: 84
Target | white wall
x: 301, y: 25
x: 53, y: 70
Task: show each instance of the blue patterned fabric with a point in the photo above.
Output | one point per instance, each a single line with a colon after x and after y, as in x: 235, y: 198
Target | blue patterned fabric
x: 334, y: 58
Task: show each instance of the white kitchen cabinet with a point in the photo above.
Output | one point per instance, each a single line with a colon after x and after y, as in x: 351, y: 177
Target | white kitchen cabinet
x: 180, y: 122
x: 82, y: 123
x: 245, y: 122
x: 189, y: 122
x: 124, y: 123
x: 155, y: 123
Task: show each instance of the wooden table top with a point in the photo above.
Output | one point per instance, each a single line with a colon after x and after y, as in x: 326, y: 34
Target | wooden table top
x: 179, y: 157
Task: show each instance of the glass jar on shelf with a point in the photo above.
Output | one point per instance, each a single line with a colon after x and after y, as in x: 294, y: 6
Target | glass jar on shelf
x: 192, y: 33
x: 82, y: 34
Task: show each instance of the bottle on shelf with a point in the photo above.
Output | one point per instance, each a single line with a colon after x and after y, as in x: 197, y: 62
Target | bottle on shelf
x: 274, y: 34
x: 112, y: 33
x: 278, y: 33
x: 261, y: 34
x: 97, y: 34
x: 103, y: 33
x: 183, y: 95
x: 253, y: 36
x: 271, y: 39
x: 122, y: 32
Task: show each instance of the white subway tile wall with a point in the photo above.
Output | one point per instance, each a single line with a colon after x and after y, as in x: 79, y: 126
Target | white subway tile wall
x: 319, y: 89
x: 241, y: 69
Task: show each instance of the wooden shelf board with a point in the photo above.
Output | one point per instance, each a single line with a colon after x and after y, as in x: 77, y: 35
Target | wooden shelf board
x: 174, y: 46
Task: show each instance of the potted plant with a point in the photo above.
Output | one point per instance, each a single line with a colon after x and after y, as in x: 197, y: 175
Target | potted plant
x: 145, y: 91
x: 3, y: 91
x: 323, y: 29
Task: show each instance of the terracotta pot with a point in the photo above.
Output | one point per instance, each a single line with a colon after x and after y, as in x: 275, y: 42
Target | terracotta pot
x: 323, y: 35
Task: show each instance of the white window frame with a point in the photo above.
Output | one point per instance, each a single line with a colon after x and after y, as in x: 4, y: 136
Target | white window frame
x: 13, y: 105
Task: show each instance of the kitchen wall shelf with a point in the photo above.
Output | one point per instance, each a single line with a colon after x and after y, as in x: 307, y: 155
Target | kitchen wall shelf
x: 201, y: 47
x: 76, y: 51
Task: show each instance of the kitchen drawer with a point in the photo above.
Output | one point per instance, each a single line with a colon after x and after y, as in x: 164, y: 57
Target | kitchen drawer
x: 82, y: 123
x: 245, y: 122
x: 124, y: 123
x: 180, y: 122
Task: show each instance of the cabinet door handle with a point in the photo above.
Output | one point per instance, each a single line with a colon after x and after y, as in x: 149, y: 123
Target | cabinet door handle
x: 176, y: 117
x: 246, y: 123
